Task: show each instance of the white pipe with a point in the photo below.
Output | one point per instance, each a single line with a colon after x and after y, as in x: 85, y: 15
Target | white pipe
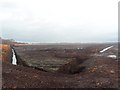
x: 14, y: 60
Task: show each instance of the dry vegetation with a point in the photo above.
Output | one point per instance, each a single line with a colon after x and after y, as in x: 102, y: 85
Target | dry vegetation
x: 5, y: 53
x: 16, y: 45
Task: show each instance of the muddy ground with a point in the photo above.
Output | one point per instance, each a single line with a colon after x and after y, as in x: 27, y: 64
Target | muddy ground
x: 62, y: 66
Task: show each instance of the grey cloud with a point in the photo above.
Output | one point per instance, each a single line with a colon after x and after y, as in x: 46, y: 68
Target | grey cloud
x: 39, y: 23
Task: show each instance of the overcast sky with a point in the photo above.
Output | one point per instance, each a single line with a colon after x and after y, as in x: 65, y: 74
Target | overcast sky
x: 59, y: 20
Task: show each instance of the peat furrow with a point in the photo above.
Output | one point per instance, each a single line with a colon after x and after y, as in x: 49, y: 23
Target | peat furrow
x: 23, y: 63
x: 19, y: 60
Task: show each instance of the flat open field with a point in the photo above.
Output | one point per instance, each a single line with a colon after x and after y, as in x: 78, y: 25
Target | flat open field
x: 63, y: 66
x: 51, y: 57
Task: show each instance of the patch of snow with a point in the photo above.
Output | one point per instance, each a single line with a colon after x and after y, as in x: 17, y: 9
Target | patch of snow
x: 112, y: 56
x: 105, y: 49
x: 14, y: 60
x: 79, y: 48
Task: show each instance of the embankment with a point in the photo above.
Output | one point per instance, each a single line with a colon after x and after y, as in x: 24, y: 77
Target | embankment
x: 6, y: 54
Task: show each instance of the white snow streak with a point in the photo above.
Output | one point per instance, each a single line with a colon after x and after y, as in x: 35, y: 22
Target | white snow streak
x: 14, y: 60
x: 105, y: 49
x: 112, y: 56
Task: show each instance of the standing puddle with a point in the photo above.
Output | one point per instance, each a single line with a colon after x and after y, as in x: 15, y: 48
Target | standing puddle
x: 14, y: 60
